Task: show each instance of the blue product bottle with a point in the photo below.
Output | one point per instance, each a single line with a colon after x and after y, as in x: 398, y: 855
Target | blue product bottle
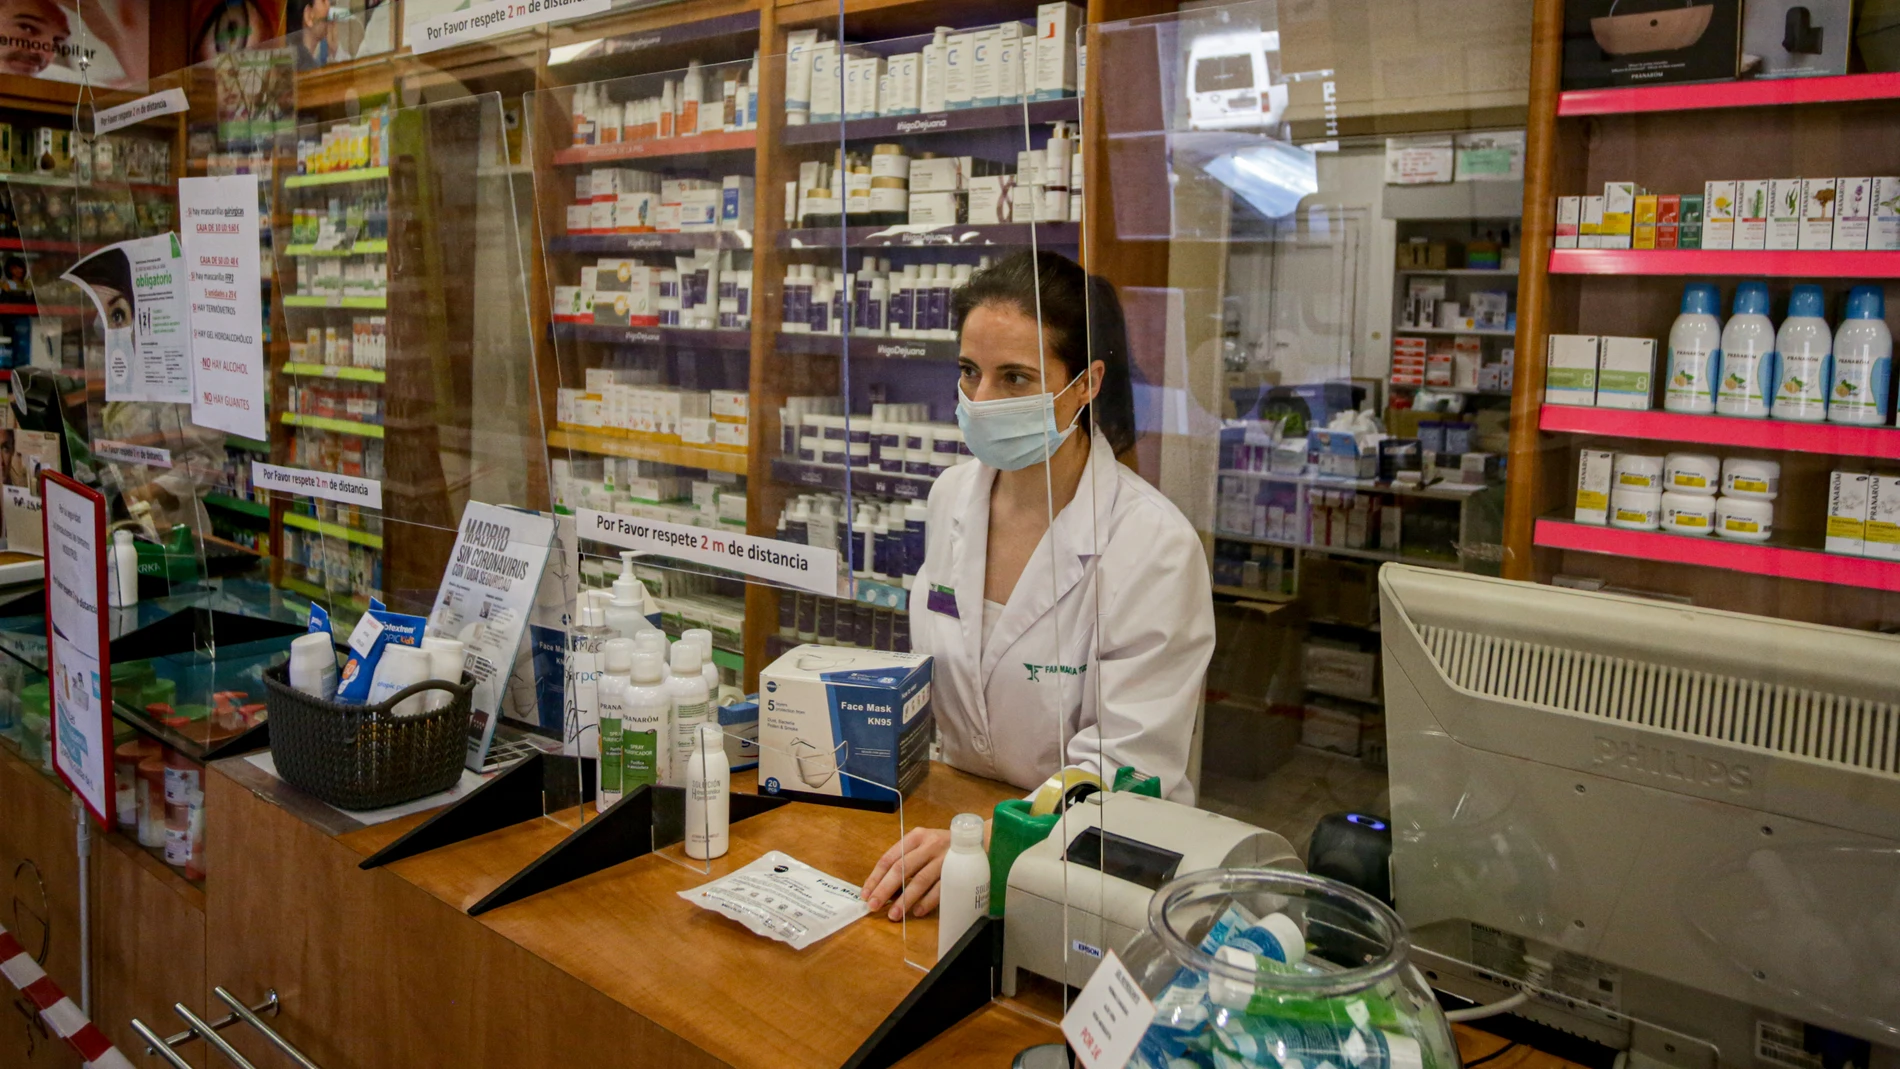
x: 1747, y: 384
x: 1695, y: 352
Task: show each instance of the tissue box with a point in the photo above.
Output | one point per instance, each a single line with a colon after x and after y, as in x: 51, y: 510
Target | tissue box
x: 845, y: 726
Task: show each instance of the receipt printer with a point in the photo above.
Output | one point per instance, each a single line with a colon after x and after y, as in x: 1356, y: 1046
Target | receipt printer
x: 1098, y: 869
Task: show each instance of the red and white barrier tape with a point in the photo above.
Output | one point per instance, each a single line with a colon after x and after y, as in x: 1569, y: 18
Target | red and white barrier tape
x: 61, y: 1013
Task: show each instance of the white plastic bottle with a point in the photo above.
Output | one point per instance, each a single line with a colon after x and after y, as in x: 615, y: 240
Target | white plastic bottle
x: 122, y: 577
x: 1863, y: 362
x: 708, y: 795
x: 583, y: 676
x: 1695, y: 351
x: 400, y: 667
x: 1748, y: 355
x: 1804, y: 358
x: 646, y: 724
x: 692, y: 706
x: 707, y: 669
x: 615, y: 678
x: 692, y: 91
x: 313, y: 665
x: 963, y: 894
x: 446, y: 658
x: 628, y: 613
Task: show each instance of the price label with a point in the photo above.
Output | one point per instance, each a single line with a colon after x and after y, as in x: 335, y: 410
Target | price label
x: 1106, y: 1022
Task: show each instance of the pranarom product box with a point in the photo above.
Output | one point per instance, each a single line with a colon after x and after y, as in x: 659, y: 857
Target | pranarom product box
x: 845, y: 726
x: 1569, y: 216
x: 1853, y: 210
x: 1817, y: 213
x: 1719, y: 203
x: 1751, y: 214
x: 1883, y: 517
x: 1883, y: 229
x: 1626, y: 369
x: 1785, y: 200
x: 1849, y: 494
x: 1570, y: 374
x: 1610, y: 43
x: 1593, y: 485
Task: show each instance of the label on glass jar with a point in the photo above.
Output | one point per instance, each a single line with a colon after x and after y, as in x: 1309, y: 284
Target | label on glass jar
x: 1747, y: 484
x: 181, y: 785
x: 1738, y: 523
x: 1634, y: 516
x: 1637, y: 479
x: 1690, y: 479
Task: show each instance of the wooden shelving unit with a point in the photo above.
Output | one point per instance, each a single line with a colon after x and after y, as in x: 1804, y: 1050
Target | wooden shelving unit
x: 1672, y: 139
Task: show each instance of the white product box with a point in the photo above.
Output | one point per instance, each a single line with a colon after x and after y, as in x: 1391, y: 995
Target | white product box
x: 1590, y: 227
x: 844, y: 723
x: 1883, y: 517
x: 736, y: 202
x: 696, y: 431
x: 567, y: 304
x: 1569, y: 217
x: 580, y: 218
x: 1330, y: 729
x: 941, y: 174
x: 634, y: 211
x: 862, y: 74
x: 959, y: 62
x: 899, y: 95
x: 935, y: 209
x: 1339, y: 671
x: 604, y: 212
x: 699, y: 210
x: 1849, y: 496
x: 983, y: 69
x: 1718, y: 215
x: 1784, y: 214
x: 1752, y: 208
x: 1056, y: 25
x: 1570, y: 372
x: 827, y: 82
x: 1626, y: 371
x: 1883, y: 230
x: 1619, y: 215
x: 1853, y: 212
x: 730, y: 435
x: 988, y: 201
x: 798, y: 54
x: 1817, y: 214
x: 728, y: 404
x: 1009, y: 63
x: 1593, y: 485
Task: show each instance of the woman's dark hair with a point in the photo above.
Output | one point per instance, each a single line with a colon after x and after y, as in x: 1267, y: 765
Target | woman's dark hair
x: 1083, y: 319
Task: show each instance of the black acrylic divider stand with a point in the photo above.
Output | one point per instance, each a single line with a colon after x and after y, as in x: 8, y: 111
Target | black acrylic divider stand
x: 964, y: 981
x: 512, y: 797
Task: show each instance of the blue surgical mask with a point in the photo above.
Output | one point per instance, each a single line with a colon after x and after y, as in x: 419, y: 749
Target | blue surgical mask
x: 1011, y: 433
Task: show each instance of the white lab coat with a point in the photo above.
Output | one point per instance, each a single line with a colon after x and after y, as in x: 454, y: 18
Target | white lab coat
x: 1099, y: 657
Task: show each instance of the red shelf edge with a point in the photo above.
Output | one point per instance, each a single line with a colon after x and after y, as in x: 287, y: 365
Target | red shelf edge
x: 1760, y: 263
x: 1832, y: 439
x: 1711, y: 551
x: 1736, y: 94
x: 677, y: 146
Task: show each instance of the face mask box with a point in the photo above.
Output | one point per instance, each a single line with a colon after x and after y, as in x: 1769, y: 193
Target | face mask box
x: 1570, y: 373
x: 845, y: 725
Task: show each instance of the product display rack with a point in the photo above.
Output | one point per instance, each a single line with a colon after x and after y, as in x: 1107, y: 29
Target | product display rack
x: 1673, y: 139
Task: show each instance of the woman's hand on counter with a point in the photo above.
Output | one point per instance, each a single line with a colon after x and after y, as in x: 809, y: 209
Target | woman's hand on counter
x: 918, y: 856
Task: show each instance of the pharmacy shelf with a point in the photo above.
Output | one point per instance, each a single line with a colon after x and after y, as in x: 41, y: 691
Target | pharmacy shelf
x: 1711, y: 551
x: 1489, y: 332
x: 998, y: 117
x: 1436, y: 492
x: 999, y: 235
x: 293, y: 300
x: 1832, y: 439
x: 1339, y: 551
x: 325, y: 423
x: 335, y: 371
x: 1753, y: 263
x: 664, y: 337
x: 829, y: 477
x: 332, y: 530
x: 1459, y: 272
x: 238, y: 504
x: 695, y: 145
x: 865, y: 345
x: 329, y: 178
x: 623, y: 243
x: 1250, y: 594
x: 1748, y: 94
x: 623, y: 444
x: 360, y: 248
x: 316, y: 593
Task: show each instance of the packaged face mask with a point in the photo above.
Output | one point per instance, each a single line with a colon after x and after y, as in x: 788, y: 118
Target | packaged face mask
x: 782, y: 898
x: 319, y: 619
x: 374, y: 632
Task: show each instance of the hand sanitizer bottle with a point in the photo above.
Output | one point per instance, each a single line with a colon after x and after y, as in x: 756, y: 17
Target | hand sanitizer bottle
x: 692, y: 706
x: 708, y: 795
x: 646, y: 724
x: 963, y: 895
x: 1748, y: 355
x: 1695, y: 352
x: 1804, y: 352
x: 615, y: 678
x: 627, y: 613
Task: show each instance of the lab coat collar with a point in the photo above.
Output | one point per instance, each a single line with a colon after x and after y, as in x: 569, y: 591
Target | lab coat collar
x: 1060, y: 559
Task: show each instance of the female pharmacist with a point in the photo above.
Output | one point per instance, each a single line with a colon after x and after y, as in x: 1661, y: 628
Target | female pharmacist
x: 1066, y: 602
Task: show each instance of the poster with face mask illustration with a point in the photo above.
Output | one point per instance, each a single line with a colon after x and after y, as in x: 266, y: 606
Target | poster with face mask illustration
x: 138, y: 288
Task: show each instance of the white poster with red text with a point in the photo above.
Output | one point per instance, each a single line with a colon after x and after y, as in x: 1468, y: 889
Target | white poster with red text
x: 218, y: 224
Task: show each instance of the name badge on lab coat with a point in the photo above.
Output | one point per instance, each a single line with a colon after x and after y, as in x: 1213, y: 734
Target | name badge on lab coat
x: 942, y: 599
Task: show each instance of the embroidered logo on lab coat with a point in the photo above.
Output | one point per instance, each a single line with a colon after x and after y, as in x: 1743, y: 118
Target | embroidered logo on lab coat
x: 1036, y: 670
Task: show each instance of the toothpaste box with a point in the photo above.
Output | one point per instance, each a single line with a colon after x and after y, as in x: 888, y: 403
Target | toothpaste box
x: 1849, y: 496
x: 845, y: 726
x: 1718, y: 215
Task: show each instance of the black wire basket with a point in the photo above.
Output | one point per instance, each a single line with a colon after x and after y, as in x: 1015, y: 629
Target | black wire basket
x: 365, y: 756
